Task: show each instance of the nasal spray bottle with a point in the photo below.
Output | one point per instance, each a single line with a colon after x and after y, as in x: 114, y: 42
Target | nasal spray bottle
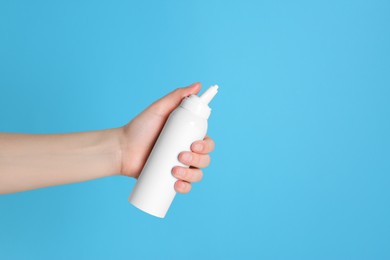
x: 154, y: 190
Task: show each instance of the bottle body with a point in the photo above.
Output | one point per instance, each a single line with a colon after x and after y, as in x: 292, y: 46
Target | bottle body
x: 154, y: 190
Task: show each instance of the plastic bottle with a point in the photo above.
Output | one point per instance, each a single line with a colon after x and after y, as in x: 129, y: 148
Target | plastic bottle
x: 154, y: 190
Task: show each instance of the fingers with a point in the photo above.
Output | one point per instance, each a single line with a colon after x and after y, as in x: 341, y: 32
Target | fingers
x: 203, y: 146
x: 169, y: 102
x: 198, y: 158
x: 187, y: 174
x: 194, y: 159
x: 182, y: 186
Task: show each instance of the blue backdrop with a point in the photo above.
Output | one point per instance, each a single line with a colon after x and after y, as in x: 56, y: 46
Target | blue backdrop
x: 302, y: 122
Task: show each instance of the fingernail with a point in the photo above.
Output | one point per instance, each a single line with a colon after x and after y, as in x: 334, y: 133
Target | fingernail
x: 179, y: 172
x: 198, y: 147
x: 182, y: 185
x: 187, y: 157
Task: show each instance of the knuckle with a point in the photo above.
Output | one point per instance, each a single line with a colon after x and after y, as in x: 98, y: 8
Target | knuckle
x: 195, y: 158
x: 200, y: 175
x: 207, y: 159
x: 212, y: 144
x: 192, y: 175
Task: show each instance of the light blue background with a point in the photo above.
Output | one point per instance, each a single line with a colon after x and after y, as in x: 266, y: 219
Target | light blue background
x: 302, y: 122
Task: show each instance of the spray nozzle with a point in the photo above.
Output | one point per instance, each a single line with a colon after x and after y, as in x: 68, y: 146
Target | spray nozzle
x: 199, y: 104
x: 208, y: 95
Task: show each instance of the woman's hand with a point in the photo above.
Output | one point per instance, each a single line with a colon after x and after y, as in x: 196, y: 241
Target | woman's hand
x: 198, y: 158
x: 31, y: 161
x: 140, y: 134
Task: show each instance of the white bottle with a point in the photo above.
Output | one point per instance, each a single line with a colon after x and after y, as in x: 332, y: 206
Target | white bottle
x: 154, y: 190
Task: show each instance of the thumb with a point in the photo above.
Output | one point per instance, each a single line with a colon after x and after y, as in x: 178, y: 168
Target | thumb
x: 169, y: 102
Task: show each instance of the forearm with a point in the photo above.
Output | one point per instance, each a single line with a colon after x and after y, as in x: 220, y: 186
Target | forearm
x: 29, y: 161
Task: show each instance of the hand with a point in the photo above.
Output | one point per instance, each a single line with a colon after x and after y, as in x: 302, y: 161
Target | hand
x: 141, y: 133
x: 196, y: 159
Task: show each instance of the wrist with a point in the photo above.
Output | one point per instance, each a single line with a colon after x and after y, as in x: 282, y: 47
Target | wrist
x: 131, y: 160
x: 114, y: 149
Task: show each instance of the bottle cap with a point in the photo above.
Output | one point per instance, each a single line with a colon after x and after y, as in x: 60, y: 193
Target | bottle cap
x: 199, y: 105
x: 208, y: 95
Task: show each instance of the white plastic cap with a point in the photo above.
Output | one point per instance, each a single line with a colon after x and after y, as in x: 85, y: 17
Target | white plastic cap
x: 199, y: 105
x: 208, y: 95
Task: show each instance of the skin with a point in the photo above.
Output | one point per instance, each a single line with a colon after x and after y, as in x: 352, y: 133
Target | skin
x: 31, y: 161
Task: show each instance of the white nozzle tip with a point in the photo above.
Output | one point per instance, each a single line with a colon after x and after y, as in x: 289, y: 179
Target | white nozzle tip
x: 208, y: 95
